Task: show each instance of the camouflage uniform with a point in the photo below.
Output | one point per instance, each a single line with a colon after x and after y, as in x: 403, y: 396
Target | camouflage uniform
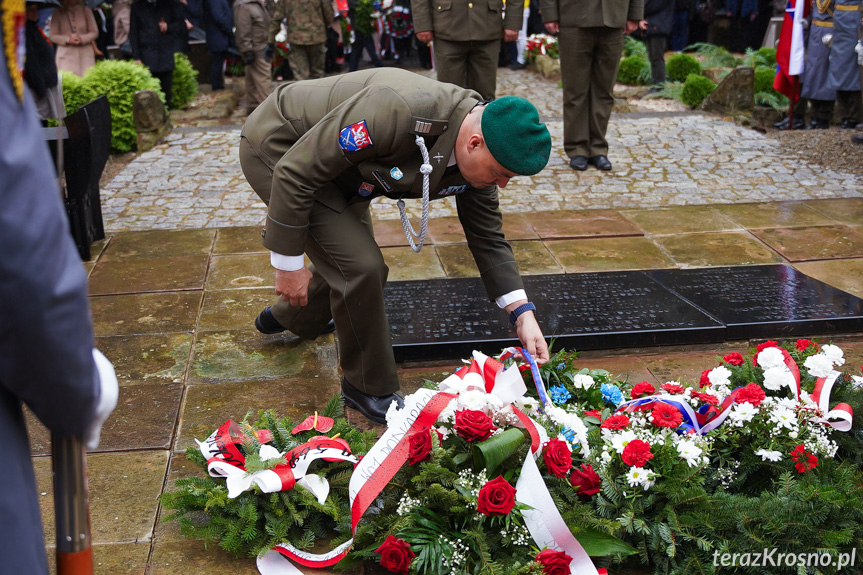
x: 307, y: 22
x: 252, y: 22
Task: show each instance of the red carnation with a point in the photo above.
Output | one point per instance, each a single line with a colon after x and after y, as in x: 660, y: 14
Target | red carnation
x: 803, y: 344
x: 595, y: 413
x: 396, y: 555
x: 497, y: 497
x: 704, y: 381
x: 558, y: 458
x: 554, y: 562
x: 473, y: 426
x: 803, y: 460
x: 762, y: 346
x: 707, y: 398
x: 664, y: 415
x: 617, y: 421
x: 640, y: 389
x: 585, y: 480
x: 752, y: 393
x: 672, y: 387
x: 733, y: 359
x: 636, y: 453
x: 421, y: 445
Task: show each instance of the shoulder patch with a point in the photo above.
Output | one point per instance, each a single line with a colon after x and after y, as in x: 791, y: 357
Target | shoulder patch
x: 355, y: 137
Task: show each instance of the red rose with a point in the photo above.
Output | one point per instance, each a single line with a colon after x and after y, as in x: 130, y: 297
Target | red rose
x: 473, y: 425
x: 421, y: 445
x: 558, y: 458
x: 803, y: 344
x: 664, y: 415
x: 803, y: 460
x: 554, y: 562
x: 396, y: 555
x: 595, y: 413
x: 706, y: 397
x: 672, y: 388
x: 704, y: 381
x: 752, y: 393
x: 497, y: 497
x: 617, y: 421
x: 640, y: 389
x: 585, y: 480
x: 733, y: 359
x: 636, y: 453
x: 762, y: 346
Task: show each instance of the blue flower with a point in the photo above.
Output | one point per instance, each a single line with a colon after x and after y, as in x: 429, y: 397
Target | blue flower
x: 560, y: 367
x: 559, y: 394
x: 611, y: 394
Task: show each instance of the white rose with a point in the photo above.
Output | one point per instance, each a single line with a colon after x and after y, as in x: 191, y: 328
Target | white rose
x: 819, y: 365
x: 834, y: 353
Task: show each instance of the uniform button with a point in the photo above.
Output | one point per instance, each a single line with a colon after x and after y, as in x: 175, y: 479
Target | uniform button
x: 470, y: 5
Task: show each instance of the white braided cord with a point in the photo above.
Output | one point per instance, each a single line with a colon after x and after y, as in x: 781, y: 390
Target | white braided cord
x: 410, y: 234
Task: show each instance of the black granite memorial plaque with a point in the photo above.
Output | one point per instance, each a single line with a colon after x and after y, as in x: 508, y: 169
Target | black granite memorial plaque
x: 766, y: 301
x: 440, y: 319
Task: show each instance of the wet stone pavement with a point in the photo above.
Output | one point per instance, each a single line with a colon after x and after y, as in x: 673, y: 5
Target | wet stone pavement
x: 177, y: 283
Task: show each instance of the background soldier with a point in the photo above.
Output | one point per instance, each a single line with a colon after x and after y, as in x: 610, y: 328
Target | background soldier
x: 307, y: 22
x: 353, y: 138
x: 813, y: 82
x: 467, y: 35
x: 844, y: 74
x: 253, y: 22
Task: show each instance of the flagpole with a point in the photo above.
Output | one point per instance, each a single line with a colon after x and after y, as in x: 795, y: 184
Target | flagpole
x: 795, y: 84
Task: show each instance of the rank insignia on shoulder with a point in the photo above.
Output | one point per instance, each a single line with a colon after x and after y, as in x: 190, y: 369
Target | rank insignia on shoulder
x: 452, y: 190
x: 366, y: 189
x: 355, y: 137
x: 396, y: 174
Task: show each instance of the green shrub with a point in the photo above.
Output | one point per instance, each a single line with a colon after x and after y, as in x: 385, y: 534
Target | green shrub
x: 185, y: 83
x: 680, y: 66
x: 119, y: 80
x: 695, y: 89
x: 765, y: 95
x: 633, y: 70
x: 761, y: 57
x: 76, y: 92
x: 633, y: 47
x: 712, y: 56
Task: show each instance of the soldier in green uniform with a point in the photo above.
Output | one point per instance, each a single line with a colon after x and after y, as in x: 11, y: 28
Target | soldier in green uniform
x: 590, y: 36
x: 318, y: 152
x: 466, y: 35
x: 307, y: 22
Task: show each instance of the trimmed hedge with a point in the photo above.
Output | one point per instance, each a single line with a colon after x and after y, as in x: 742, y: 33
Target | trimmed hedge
x: 680, y: 66
x: 632, y: 71
x: 695, y: 89
x: 185, y: 83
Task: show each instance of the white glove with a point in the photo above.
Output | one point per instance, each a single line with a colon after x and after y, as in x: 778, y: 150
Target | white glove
x: 859, y: 49
x: 107, y: 399
x: 827, y: 40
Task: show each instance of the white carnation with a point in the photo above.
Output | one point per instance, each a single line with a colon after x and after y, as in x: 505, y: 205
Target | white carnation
x: 582, y: 381
x: 770, y: 357
x: 767, y: 455
x: 775, y: 378
x: 834, y: 353
x: 819, y: 365
x: 719, y: 376
x: 474, y: 400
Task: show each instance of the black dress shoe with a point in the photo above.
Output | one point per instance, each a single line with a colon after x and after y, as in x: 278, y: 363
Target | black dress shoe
x: 601, y: 163
x: 848, y: 124
x: 578, y: 163
x: 372, y: 406
x: 267, y: 323
x: 818, y: 125
x: 798, y: 124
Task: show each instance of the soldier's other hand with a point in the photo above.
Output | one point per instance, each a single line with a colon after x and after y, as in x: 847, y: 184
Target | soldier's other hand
x: 553, y: 27
x: 249, y: 58
x: 294, y: 286
x: 425, y: 37
x: 510, y: 35
x: 269, y: 52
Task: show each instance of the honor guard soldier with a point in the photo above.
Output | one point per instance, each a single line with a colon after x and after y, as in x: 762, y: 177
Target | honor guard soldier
x: 813, y: 82
x: 317, y: 153
x: 844, y: 76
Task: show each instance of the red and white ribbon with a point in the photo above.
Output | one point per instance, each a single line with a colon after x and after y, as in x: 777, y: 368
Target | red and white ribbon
x: 839, y: 417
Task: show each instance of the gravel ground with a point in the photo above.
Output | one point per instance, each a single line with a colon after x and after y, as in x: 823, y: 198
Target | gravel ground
x: 831, y: 148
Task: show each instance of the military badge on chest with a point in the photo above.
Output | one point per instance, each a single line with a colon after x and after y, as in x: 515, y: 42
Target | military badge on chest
x: 366, y: 189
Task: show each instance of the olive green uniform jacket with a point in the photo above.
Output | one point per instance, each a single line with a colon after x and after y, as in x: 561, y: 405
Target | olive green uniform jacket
x: 466, y: 20
x: 591, y: 13
x: 318, y: 152
x: 307, y: 21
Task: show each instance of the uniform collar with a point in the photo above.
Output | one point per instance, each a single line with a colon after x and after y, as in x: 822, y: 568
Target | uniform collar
x: 445, y: 144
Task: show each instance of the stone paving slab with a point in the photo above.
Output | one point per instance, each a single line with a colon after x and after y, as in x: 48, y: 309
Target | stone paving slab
x: 193, y: 179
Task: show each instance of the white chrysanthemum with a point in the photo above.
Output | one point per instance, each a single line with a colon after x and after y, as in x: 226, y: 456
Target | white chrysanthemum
x: 834, y: 353
x: 783, y: 417
x: 689, y: 451
x: 768, y: 455
x: 770, y: 357
x: 447, y: 415
x: 743, y: 412
x: 819, y: 365
x: 606, y: 457
x: 619, y: 440
x: 719, y: 376
x: 788, y: 403
x: 639, y: 476
x: 528, y: 405
x: 474, y: 400
x: 775, y: 378
x: 582, y: 381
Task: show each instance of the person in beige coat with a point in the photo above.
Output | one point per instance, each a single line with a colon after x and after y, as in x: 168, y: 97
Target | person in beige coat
x: 73, y: 30
x: 252, y: 22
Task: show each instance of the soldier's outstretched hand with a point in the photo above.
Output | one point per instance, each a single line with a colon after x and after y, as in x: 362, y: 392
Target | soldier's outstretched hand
x: 530, y: 335
x: 294, y: 286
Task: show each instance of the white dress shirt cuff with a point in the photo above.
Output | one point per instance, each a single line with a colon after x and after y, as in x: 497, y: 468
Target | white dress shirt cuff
x: 510, y: 297
x: 287, y: 263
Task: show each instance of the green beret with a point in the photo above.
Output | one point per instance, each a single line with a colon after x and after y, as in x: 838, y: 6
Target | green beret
x: 515, y: 136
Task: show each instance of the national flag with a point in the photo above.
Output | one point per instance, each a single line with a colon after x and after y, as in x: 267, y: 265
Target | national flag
x: 790, y: 53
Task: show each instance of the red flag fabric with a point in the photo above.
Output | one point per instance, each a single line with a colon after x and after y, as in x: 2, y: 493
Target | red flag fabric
x: 790, y: 50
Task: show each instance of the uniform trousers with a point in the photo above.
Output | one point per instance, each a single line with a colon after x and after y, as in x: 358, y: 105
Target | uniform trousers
x: 348, y: 278
x: 471, y: 65
x: 589, y: 58
x: 259, y: 81
x: 850, y: 105
x: 307, y: 60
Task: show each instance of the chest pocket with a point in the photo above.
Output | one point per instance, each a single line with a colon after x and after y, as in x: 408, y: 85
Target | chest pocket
x: 495, y: 5
x: 442, y: 5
